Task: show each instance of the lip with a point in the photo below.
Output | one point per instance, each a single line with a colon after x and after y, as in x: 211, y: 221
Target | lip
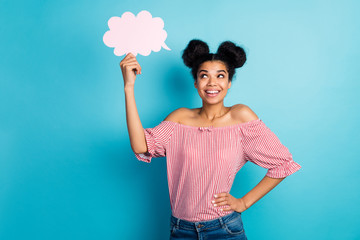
x: 212, y: 94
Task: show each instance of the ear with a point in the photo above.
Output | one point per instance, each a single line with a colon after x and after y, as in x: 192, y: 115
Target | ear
x: 195, y: 84
x: 229, y: 84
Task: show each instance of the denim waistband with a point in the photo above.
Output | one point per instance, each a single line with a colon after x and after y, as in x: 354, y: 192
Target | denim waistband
x: 215, y: 223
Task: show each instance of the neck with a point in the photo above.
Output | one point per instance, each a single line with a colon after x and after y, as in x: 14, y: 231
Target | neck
x: 213, y: 111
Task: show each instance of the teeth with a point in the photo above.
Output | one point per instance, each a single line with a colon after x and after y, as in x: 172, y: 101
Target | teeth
x: 212, y: 91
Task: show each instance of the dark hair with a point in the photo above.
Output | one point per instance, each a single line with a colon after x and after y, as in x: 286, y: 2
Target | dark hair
x: 198, y: 52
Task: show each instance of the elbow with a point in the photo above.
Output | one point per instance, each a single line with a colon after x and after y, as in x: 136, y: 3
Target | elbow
x: 139, y: 150
x: 283, y: 170
x: 275, y: 176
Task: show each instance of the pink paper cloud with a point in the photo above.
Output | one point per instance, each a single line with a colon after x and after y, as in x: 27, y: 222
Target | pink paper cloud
x: 139, y: 34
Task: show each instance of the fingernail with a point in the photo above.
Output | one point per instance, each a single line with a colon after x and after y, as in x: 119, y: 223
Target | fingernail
x: 215, y: 205
x: 220, y: 209
x: 215, y: 195
x: 213, y: 201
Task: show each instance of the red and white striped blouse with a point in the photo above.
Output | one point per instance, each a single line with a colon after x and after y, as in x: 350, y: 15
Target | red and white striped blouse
x: 202, y: 161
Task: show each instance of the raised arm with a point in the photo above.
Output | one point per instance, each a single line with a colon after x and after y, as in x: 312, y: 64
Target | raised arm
x: 130, y: 68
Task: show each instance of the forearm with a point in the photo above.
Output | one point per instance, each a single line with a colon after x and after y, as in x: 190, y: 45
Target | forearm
x: 260, y: 190
x: 135, y: 128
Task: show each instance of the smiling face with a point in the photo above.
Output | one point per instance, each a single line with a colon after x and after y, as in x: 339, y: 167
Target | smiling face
x: 212, y: 81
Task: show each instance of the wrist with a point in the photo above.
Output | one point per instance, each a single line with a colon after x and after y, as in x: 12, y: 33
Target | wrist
x: 247, y: 203
x: 242, y: 205
x: 128, y: 87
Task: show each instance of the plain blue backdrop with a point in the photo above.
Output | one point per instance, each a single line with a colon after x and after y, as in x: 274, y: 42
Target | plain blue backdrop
x: 67, y: 170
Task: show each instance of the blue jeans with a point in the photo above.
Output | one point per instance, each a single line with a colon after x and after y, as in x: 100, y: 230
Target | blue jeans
x: 227, y: 227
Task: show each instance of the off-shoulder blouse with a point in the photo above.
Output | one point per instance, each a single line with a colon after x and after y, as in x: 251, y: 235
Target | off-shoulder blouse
x: 202, y: 161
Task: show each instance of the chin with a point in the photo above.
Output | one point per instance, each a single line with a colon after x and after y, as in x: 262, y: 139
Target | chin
x: 212, y: 101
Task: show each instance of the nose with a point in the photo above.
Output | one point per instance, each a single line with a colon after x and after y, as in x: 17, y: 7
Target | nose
x: 212, y: 80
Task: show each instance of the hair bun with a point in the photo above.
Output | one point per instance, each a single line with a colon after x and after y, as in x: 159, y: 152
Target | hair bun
x: 235, y: 54
x: 193, y: 51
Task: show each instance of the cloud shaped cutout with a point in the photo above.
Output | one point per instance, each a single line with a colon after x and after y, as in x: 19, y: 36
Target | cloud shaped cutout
x: 139, y: 34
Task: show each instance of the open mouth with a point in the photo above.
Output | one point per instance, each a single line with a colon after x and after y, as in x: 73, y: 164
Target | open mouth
x: 212, y: 93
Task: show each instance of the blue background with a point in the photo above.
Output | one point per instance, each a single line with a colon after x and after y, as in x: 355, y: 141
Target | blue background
x: 67, y: 170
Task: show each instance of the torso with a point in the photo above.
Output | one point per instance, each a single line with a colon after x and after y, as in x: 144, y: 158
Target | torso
x: 236, y: 114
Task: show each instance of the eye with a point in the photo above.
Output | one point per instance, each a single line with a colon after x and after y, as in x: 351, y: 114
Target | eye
x: 203, y: 75
x: 221, y: 76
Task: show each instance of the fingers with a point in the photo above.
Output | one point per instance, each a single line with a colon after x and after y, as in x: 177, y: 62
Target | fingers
x: 130, y: 62
x: 226, y: 209
x: 224, y: 194
x: 220, y: 202
x: 133, y: 65
x: 129, y: 56
x: 223, y: 199
x: 220, y: 197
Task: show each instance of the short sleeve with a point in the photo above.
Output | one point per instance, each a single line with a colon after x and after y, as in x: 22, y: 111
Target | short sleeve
x: 157, y: 139
x: 262, y: 147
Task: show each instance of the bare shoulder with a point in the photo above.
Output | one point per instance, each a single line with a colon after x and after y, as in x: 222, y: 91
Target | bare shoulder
x: 243, y: 113
x: 177, y: 114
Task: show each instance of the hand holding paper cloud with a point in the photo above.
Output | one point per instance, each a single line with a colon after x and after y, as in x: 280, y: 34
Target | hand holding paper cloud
x: 136, y: 34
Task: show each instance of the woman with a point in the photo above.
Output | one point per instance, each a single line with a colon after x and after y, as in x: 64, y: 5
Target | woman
x: 205, y: 147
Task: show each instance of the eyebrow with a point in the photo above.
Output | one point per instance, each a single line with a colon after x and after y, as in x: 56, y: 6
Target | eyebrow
x: 207, y: 71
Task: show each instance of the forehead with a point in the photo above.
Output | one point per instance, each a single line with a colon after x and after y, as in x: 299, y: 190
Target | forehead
x: 212, y: 65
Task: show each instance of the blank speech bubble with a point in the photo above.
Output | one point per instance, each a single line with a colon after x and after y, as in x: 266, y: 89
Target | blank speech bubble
x: 136, y: 34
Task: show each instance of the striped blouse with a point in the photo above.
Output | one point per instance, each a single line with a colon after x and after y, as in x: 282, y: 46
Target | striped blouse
x: 202, y: 161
